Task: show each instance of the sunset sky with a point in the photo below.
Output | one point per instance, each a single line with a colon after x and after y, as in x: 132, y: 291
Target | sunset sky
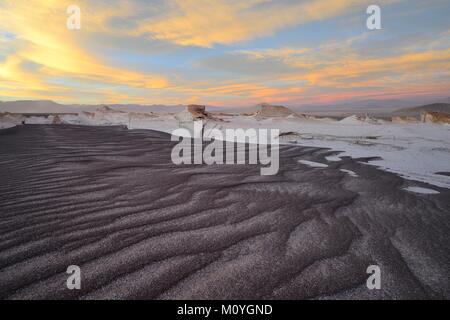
x: 223, y: 52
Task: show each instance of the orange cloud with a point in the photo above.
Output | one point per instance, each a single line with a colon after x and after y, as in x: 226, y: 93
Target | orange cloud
x: 205, y: 23
x: 40, y: 27
x: 42, y: 39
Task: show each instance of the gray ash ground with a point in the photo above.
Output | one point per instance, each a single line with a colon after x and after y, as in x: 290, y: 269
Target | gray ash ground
x: 111, y: 201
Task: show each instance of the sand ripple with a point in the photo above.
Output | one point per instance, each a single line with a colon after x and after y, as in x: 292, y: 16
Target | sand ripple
x: 110, y: 200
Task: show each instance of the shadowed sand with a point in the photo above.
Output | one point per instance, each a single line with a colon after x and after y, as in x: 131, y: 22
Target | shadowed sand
x: 111, y: 201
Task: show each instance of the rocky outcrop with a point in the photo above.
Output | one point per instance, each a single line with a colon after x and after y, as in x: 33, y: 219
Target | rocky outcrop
x: 435, y: 117
x: 104, y: 116
x: 197, y: 111
x: 7, y: 117
x: 108, y: 110
x: 193, y: 112
x: 270, y: 111
x: 360, y: 119
x: 406, y: 119
x: 57, y: 120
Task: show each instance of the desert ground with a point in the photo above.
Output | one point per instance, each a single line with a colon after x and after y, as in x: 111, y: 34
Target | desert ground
x: 108, y: 199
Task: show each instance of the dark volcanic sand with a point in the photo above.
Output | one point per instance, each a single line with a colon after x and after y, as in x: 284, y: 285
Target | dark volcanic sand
x: 110, y: 200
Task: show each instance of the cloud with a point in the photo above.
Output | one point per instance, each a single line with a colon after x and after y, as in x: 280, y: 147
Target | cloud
x: 209, y: 59
x: 332, y: 70
x: 40, y: 26
x: 205, y: 23
x: 242, y: 63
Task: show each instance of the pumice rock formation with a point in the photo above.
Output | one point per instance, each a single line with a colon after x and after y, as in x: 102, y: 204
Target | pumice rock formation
x: 266, y: 110
x: 197, y: 111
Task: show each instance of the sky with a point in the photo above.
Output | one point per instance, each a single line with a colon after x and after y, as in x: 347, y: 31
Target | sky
x: 223, y: 52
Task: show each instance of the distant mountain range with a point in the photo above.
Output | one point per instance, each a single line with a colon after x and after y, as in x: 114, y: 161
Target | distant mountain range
x: 48, y: 106
x: 32, y: 106
x: 375, y: 107
x: 359, y: 105
x: 131, y: 107
x: 371, y: 105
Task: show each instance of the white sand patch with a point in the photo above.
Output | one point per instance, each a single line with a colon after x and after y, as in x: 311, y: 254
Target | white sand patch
x: 313, y: 164
x: 70, y: 119
x: 39, y: 120
x: 349, y: 172
x: 351, y: 120
x: 7, y: 125
x: 421, y: 190
x: 333, y: 158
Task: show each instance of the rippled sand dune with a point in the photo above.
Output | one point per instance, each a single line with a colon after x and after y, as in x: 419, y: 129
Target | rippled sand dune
x: 111, y: 201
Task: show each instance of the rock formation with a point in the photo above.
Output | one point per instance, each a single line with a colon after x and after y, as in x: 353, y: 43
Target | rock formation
x: 269, y: 111
x: 197, y: 111
x: 435, y: 117
x: 57, y: 120
x: 400, y: 119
